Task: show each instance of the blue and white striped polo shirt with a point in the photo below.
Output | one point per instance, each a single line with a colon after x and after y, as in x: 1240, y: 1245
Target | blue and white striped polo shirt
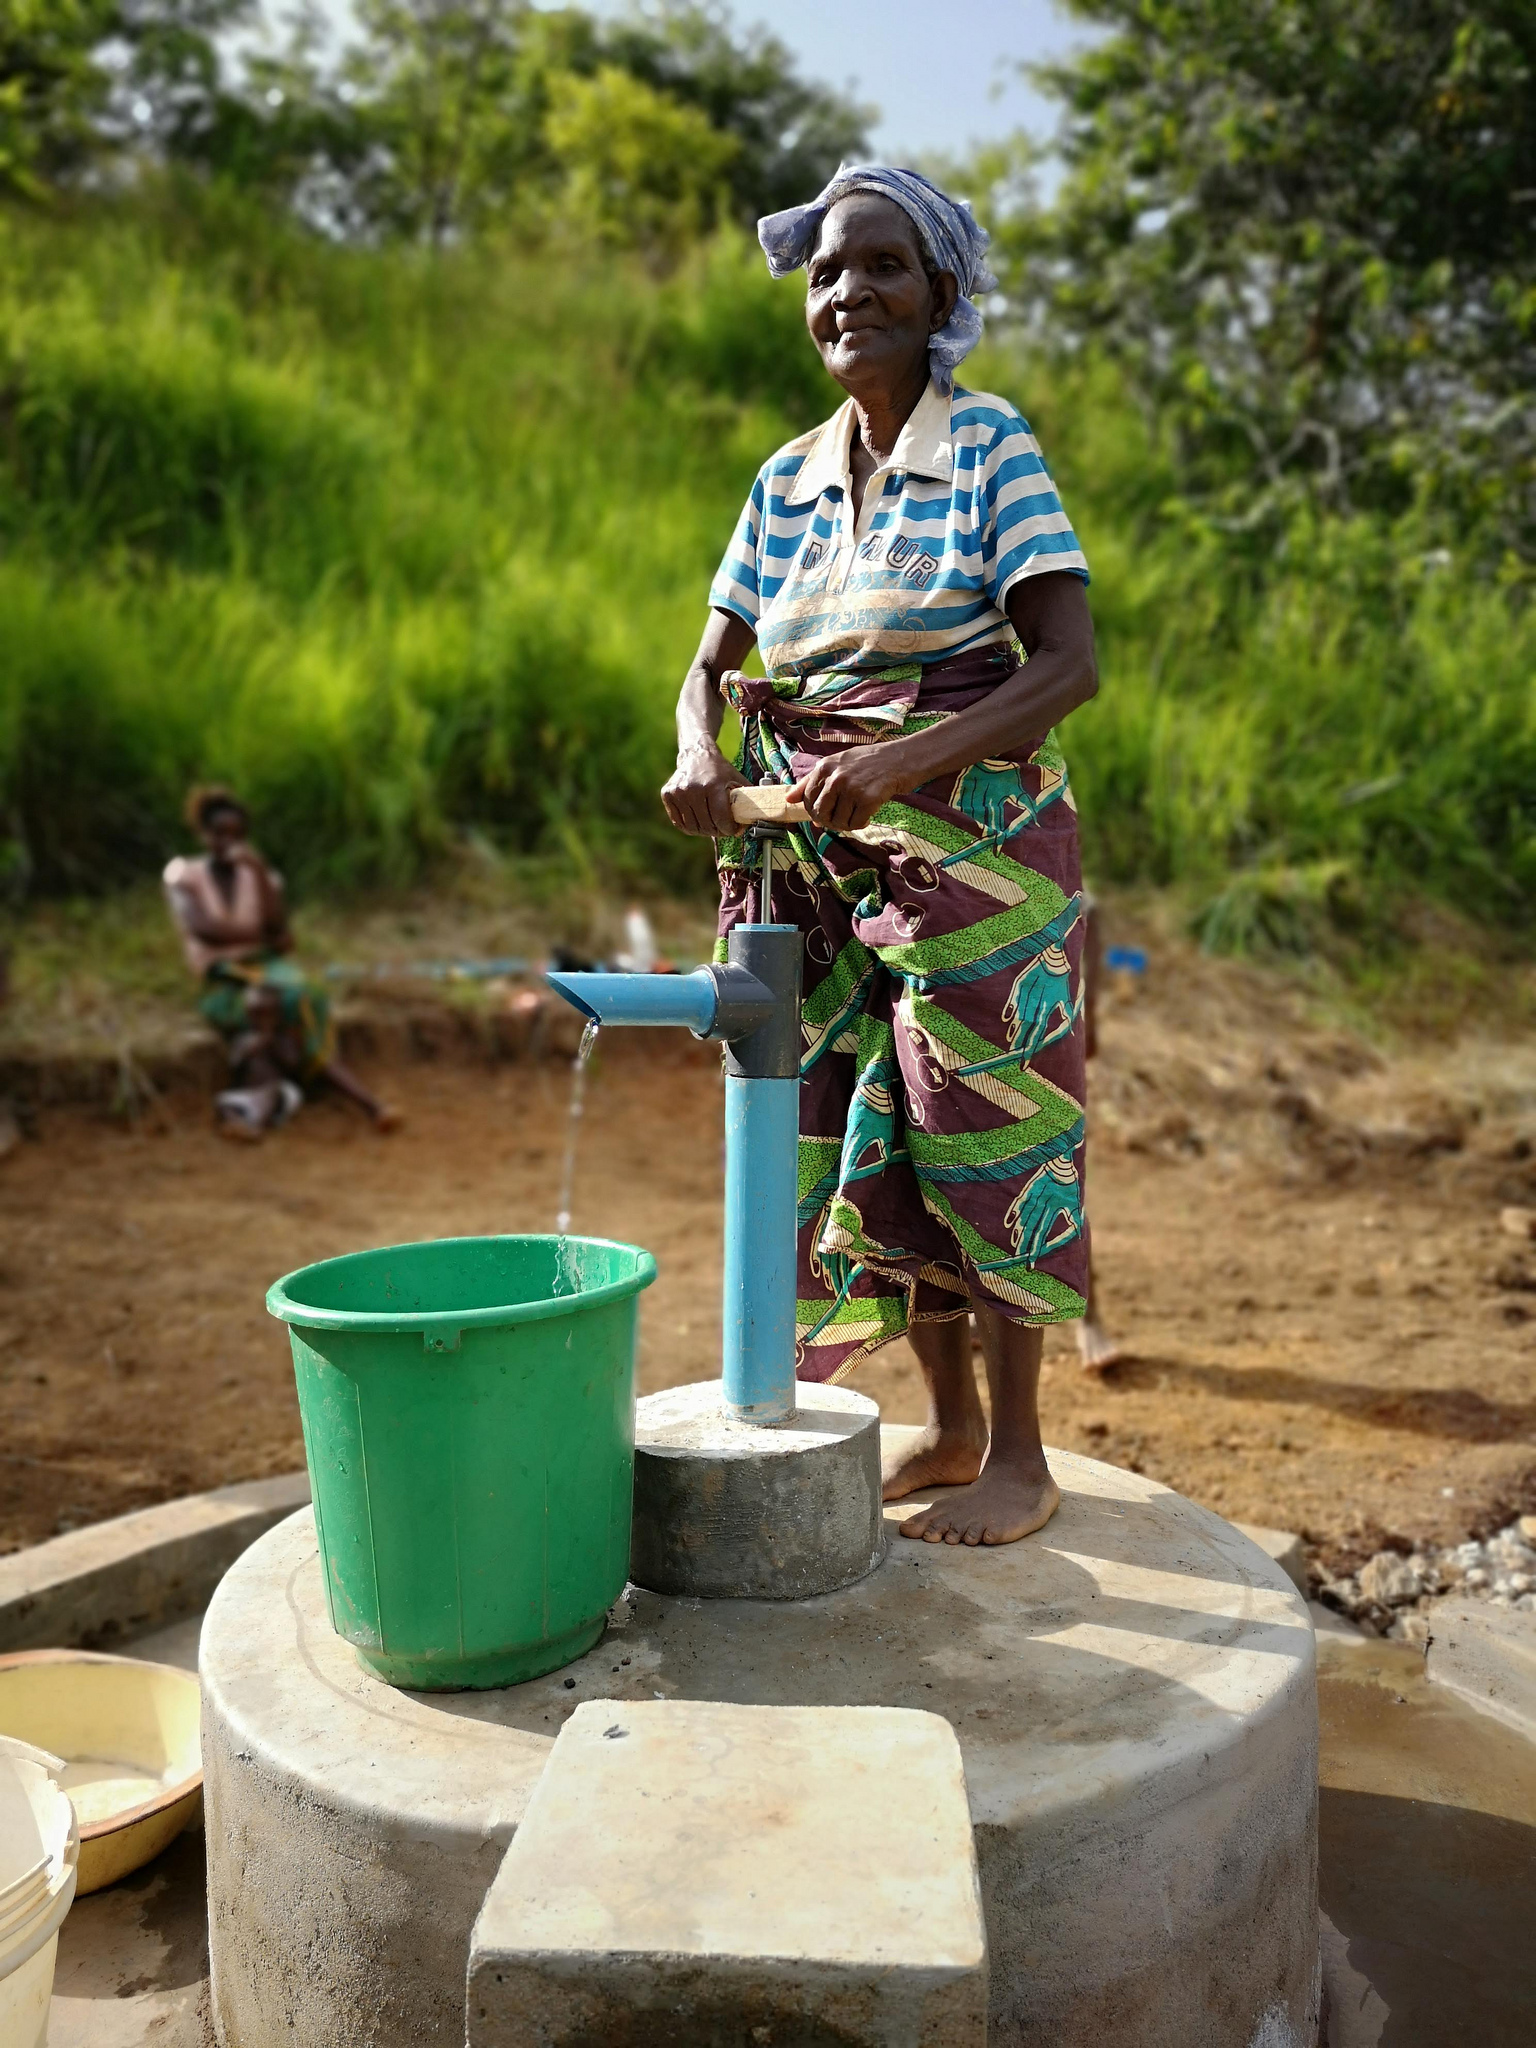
x: 964, y: 508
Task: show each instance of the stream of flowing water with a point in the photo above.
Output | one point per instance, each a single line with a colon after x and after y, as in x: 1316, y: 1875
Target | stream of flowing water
x: 567, y: 1272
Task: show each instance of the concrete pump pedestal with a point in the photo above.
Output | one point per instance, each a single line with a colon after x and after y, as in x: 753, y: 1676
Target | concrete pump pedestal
x: 1134, y: 1694
x: 728, y: 1510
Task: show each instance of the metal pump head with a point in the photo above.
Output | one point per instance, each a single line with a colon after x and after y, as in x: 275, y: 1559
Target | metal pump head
x: 769, y: 954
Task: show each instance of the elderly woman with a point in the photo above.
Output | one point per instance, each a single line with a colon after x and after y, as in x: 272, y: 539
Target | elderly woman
x: 890, y: 567
x: 231, y: 912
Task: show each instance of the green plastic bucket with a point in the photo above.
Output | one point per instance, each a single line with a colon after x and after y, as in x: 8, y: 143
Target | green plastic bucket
x: 468, y: 1409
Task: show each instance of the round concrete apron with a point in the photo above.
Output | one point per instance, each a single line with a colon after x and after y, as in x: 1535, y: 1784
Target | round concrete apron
x: 1135, y: 1700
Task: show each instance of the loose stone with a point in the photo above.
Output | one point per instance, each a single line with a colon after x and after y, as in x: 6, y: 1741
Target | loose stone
x: 1390, y: 1580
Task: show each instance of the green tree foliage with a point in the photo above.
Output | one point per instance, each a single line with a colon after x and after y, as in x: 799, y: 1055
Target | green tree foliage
x: 642, y: 170
x: 449, y: 99
x: 51, y: 92
x: 289, y: 133
x: 1307, y: 228
x: 792, y: 134
x: 443, y: 117
x: 81, y: 79
x: 468, y: 111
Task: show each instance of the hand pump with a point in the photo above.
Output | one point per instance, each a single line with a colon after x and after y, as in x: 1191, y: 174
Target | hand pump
x: 753, y: 1004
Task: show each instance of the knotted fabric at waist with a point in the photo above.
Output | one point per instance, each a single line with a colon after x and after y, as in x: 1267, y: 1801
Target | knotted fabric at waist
x: 866, y: 700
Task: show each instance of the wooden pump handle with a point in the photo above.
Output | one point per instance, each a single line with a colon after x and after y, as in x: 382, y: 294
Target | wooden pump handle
x: 765, y: 803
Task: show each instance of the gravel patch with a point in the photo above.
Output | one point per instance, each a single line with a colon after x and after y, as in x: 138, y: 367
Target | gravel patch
x: 1390, y: 1594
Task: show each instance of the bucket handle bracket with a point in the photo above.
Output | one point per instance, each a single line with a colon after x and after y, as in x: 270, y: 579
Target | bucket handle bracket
x: 441, y: 1340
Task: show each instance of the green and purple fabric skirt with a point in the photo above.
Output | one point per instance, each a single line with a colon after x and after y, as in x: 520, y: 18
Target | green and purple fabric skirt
x: 305, y: 1007
x: 941, y: 1107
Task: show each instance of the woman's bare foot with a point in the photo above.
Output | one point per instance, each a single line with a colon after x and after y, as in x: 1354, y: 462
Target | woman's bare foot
x: 1096, y: 1349
x: 379, y: 1114
x: 937, y: 1456
x: 1008, y: 1501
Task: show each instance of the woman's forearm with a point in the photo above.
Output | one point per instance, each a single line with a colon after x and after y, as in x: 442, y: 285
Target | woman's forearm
x: 699, y: 709
x: 842, y: 792
x: 1024, y: 708
x: 697, y: 794
x: 1049, y: 613
x: 726, y: 644
x: 204, y: 925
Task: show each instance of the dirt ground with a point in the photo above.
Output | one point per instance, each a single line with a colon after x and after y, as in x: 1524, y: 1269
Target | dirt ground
x: 1298, y: 1242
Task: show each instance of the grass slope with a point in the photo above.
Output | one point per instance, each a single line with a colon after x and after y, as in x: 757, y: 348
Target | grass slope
x: 405, y: 545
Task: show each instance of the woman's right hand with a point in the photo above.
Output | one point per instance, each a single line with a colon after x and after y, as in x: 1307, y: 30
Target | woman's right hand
x: 697, y: 794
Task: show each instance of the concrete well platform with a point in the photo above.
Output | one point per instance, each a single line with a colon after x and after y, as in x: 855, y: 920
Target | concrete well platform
x: 1134, y: 1695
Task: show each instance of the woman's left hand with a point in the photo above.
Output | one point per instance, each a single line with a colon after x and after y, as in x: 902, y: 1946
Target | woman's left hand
x: 844, y: 791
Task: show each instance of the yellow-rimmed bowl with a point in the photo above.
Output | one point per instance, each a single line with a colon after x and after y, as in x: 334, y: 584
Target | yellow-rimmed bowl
x: 128, y: 1732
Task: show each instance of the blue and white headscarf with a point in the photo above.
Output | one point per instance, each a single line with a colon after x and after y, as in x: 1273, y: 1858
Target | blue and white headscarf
x: 946, y: 232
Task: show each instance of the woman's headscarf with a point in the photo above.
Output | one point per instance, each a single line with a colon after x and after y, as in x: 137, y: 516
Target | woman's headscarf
x: 945, y: 230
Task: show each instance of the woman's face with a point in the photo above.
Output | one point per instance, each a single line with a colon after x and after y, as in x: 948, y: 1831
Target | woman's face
x: 223, y: 830
x: 869, y: 303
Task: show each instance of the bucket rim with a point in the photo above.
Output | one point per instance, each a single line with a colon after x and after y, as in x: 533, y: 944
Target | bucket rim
x: 386, y: 1322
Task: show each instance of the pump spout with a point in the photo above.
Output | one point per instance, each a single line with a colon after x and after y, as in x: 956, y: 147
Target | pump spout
x: 690, y: 999
x: 713, y: 1002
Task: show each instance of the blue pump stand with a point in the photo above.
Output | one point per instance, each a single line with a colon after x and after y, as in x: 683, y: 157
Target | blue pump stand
x: 762, y: 1134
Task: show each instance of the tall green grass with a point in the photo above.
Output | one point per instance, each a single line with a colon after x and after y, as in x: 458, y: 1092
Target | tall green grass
x: 403, y: 545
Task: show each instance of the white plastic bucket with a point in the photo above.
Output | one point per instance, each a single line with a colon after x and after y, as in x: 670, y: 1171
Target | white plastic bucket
x: 25, y: 1996
x: 39, y: 1856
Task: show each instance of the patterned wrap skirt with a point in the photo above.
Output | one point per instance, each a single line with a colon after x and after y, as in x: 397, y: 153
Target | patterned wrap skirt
x: 305, y: 1007
x: 942, y: 1064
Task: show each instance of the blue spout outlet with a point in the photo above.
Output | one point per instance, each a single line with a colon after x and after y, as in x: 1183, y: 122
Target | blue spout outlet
x: 689, y: 999
x: 713, y: 1002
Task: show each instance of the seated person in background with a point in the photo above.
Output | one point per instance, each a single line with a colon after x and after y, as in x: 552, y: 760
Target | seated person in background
x: 229, y: 908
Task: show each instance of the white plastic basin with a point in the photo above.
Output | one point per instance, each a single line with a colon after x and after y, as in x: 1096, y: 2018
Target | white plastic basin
x: 128, y: 1733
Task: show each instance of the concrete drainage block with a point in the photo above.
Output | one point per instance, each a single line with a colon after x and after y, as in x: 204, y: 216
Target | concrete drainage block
x: 728, y: 1510
x: 1486, y: 1654
x: 697, y: 1871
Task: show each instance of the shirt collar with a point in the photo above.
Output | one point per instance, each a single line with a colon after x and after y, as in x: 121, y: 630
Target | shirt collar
x: 923, y: 448
x: 923, y: 445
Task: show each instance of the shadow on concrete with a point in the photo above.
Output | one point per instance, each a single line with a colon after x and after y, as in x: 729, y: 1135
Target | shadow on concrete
x: 1434, y: 1903
x: 1455, y: 1412
x: 133, y: 1959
